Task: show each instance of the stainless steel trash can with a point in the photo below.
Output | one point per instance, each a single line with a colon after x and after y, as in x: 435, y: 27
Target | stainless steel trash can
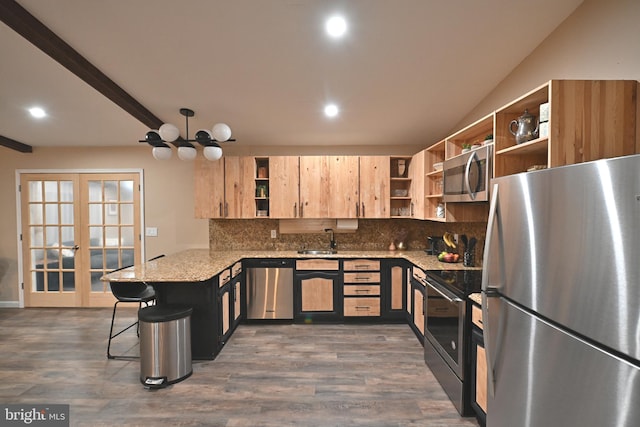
x: 165, y: 345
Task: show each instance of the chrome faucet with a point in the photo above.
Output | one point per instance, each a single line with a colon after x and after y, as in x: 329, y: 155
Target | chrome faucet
x: 332, y: 244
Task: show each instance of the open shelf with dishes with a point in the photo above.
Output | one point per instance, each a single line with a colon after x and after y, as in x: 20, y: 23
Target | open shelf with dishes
x: 262, y: 187
x: 434, y: 159
x: 401, y: 205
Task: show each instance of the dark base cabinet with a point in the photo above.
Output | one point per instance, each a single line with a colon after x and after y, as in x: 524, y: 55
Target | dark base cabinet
x: 317, y: 291
x: 205, y: 321
x: 394, y: 284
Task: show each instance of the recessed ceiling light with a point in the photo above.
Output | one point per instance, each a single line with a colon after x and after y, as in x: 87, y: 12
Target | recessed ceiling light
x: 331, y: 110
x: 336, y: 26
x: 37, y: 112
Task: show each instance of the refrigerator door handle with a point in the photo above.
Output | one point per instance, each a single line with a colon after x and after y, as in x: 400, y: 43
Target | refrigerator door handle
x: 467, y: 171
x: 490, y: 291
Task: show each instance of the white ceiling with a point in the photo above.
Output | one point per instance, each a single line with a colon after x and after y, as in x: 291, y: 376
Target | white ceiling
x: 406, y: 73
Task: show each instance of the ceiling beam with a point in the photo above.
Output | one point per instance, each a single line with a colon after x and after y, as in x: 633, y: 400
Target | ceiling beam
x: 25, y: 24
x: 15, y: 145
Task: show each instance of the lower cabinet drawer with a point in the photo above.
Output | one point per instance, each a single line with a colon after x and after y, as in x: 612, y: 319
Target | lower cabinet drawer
x: 362, y: 290
x: 361, y: 307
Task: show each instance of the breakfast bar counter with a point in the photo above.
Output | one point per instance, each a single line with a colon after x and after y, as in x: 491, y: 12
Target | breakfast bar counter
x: 199, y: 265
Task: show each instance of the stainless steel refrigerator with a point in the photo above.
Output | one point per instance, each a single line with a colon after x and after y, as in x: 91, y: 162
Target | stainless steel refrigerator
x: 561, y: 296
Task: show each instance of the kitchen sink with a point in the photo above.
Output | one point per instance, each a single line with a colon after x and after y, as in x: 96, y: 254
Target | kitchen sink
x: 317, y: 252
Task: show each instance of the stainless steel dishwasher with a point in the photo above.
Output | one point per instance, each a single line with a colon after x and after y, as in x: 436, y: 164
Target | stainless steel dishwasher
x: 269, y: 289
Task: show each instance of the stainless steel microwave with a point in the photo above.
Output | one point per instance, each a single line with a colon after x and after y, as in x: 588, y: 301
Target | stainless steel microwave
x: 466, y: 177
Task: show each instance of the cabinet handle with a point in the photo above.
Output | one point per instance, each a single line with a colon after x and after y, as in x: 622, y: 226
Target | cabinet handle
x: 357, y: 210
x: 363, y: 214
x: 220, y: 207
x: 362, y: 308
x: 295, y: 210
x: 301, y: 210
x: 411, y: 209
x: 226, y: 209
x: 363, y: 290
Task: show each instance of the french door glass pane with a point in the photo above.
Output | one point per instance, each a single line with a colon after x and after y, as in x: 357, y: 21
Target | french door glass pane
x: 66, y: 191
x: 95, y: 213
x: 127, y: 236
x: 96, y: 258
x: 37, y: 238
x: 51, y: 213
x: 66, y: 213
x: 52, y: 236
x: 126, y: 191
x: 111, y: 237
x: 95, y: 191
x: 51, y: 191
x: 95, y: 236
x: 111, y: 216
x: 35, y: 191
x: 126, y: 214
x: 111, y: 190
x: 35, y: 213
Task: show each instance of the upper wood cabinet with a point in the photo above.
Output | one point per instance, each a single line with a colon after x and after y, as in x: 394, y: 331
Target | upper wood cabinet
x: 374, y: 187
x: 587, y: 120
x: 329, y: 186
x: 209, y: 188
x: 284, y: 191
x: 314, y: 187
x: 344, y: 186
x: 225, y: 188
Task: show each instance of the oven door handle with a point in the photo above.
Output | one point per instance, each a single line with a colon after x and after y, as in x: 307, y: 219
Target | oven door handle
x: 452, y: 299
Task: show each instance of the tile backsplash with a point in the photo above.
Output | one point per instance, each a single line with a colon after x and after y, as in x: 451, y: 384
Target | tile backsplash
x: 372, y: 234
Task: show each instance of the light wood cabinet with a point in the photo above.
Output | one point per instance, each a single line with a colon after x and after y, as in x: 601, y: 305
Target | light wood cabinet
x: 419, y: 185
x: 588, y: 120
x: 344, y: 186
x: 374, y: 187
x: 318, y: 290
x: 209, y: 188
x: 284, y: 188
x: 239, y: 187
x: 329, y: 186
x: 361, y: 280
x: 224, y: 188
x: 314, y: 187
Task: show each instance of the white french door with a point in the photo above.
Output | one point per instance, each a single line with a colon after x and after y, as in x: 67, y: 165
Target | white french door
x: 75, y: 228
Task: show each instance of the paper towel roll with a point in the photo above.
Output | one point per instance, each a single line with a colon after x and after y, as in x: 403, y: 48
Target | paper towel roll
x: 346, y: 224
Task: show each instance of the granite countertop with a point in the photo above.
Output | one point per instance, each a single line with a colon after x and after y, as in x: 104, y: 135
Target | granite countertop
x: 477, y: 298
x: 199, y: 265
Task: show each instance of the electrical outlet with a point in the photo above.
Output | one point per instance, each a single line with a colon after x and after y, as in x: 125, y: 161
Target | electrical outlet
x: 151, y: 232
x: 455, y: 237
x: 274, y: 234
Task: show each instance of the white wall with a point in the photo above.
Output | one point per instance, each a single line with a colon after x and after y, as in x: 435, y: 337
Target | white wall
x: 599, y: 41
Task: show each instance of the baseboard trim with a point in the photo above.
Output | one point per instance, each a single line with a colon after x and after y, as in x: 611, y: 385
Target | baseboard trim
x: 9, y: 304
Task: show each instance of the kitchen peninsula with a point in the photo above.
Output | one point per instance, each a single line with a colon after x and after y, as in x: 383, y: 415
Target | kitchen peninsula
x: 212, y: 283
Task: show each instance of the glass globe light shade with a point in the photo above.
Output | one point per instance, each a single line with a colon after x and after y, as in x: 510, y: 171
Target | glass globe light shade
x: 204, y: 136
x: 161, y: 153
x: 221, y: 132
x: 152, y: 137
x: 186, y: 152
x: 169, y: 132
x: 212, y: 152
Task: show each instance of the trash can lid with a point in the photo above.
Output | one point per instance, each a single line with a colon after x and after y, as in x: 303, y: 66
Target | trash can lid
x: 163, y: 313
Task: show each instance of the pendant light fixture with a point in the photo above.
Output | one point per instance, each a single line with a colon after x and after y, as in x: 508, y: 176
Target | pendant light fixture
x: 209, y: 139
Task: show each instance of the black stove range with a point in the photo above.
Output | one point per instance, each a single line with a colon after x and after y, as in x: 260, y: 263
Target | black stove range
x: 447, y: 331
x: 460, y: 282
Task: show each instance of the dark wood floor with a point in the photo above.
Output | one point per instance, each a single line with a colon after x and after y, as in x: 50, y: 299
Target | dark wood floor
x: 266, y: 376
